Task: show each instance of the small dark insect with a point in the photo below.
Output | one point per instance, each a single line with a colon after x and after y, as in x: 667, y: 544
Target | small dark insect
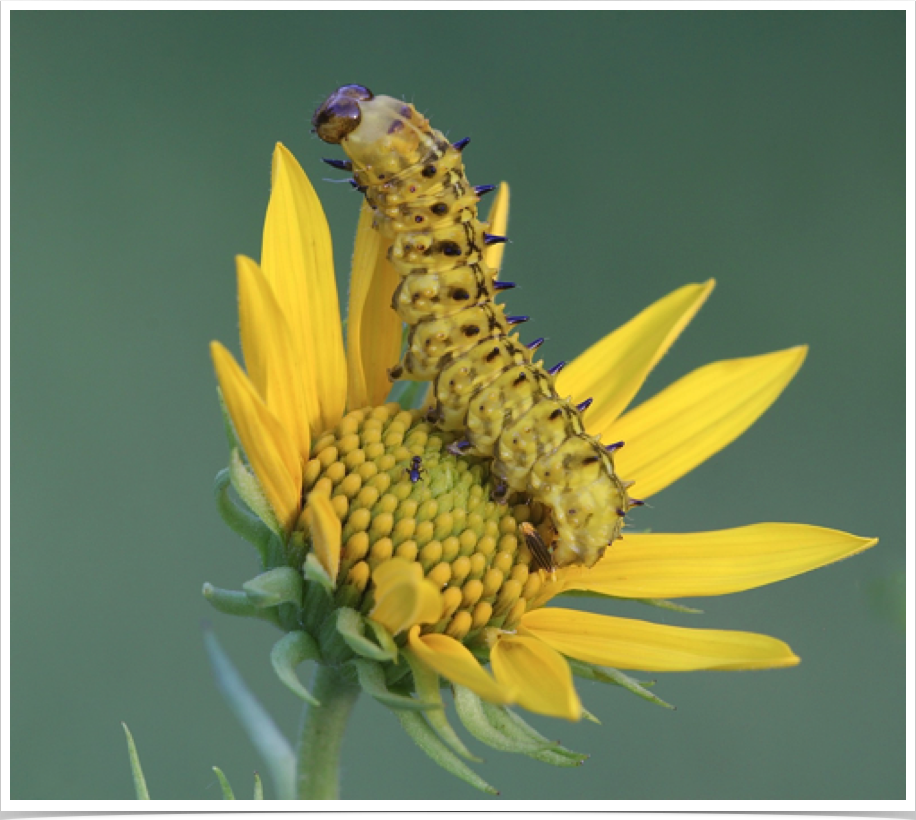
x: 539, y: 550
x: 415, y: 469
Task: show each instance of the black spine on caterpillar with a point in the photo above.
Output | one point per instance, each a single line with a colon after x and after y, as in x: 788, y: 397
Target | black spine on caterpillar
x: 485, y: 382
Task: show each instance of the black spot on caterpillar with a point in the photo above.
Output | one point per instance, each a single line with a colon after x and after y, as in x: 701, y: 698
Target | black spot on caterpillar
x: 484, y: 380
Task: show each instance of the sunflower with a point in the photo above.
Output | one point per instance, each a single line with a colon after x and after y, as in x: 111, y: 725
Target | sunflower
x: 384, y: 558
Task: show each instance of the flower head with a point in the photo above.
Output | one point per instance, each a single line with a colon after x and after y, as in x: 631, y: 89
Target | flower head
x: 382, y: 552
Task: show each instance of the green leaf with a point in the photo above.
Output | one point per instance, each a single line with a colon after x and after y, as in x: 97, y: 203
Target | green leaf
x: 281, y: 585
x: 258, y: 787
x: 239, y: 518
x: 228, y: 427
x: 396, y: 672
x: 384, y: 638
x: 136, y: 771
x: 351, y: 626
x: 273, y: 748
x: 347, y: 595
x: 372, y: 680
x: 224, y: 784
x: 248, y: 489
x: 422, y: 734
x: 287, y: 653
x: 317, y: 574
x: 510, y: 724
x: 589, y: 716
x: 555, y: 757
x: 318, y: 598
x: 233, y: 602
x: 470, y: 710
x: 427, y: 682
x: 606, y: 674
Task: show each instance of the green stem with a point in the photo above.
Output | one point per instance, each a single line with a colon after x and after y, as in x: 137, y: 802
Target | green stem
x: 321, y: 735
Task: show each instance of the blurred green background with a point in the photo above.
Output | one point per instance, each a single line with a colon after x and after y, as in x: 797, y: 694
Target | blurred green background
x: 645, y: 151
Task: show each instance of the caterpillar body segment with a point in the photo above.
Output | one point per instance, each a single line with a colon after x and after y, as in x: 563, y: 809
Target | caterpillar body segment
x: 485, y: 381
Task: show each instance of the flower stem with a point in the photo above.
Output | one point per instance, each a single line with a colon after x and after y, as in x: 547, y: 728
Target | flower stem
x: 321, y: 735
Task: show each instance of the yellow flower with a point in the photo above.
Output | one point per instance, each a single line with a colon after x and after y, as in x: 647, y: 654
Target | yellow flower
x: 314, y: 449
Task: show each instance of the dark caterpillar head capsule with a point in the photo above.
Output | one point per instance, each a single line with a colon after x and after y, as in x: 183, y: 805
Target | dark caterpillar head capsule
x: 339, y: 114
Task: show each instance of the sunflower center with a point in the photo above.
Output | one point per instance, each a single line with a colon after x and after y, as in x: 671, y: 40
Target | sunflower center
x: 400, y: 493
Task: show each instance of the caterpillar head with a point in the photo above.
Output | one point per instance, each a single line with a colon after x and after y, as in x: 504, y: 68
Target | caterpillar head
x: 340, y: 113
x: 382, y: 136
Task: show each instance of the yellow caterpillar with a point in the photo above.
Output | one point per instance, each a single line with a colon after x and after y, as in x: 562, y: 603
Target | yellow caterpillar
x: 484, y: 380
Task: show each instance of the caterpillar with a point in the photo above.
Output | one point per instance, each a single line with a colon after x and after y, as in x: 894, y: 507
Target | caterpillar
x: 485, y: 381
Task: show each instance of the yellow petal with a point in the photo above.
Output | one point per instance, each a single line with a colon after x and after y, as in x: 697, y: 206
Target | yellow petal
x: 452, y: 660
x: 253, y: 325
x: 269, y: 448
x: 628, y: 644
x: 678, y: 565
x: 270, y: 355
x: 403, y: 597
x: 498, y: 221
x: 296, y: 257
x: 697, y: 416
x: 373, y: 328
x: 324, y: 528
x: 541, y: 677
x: 612, y: 370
